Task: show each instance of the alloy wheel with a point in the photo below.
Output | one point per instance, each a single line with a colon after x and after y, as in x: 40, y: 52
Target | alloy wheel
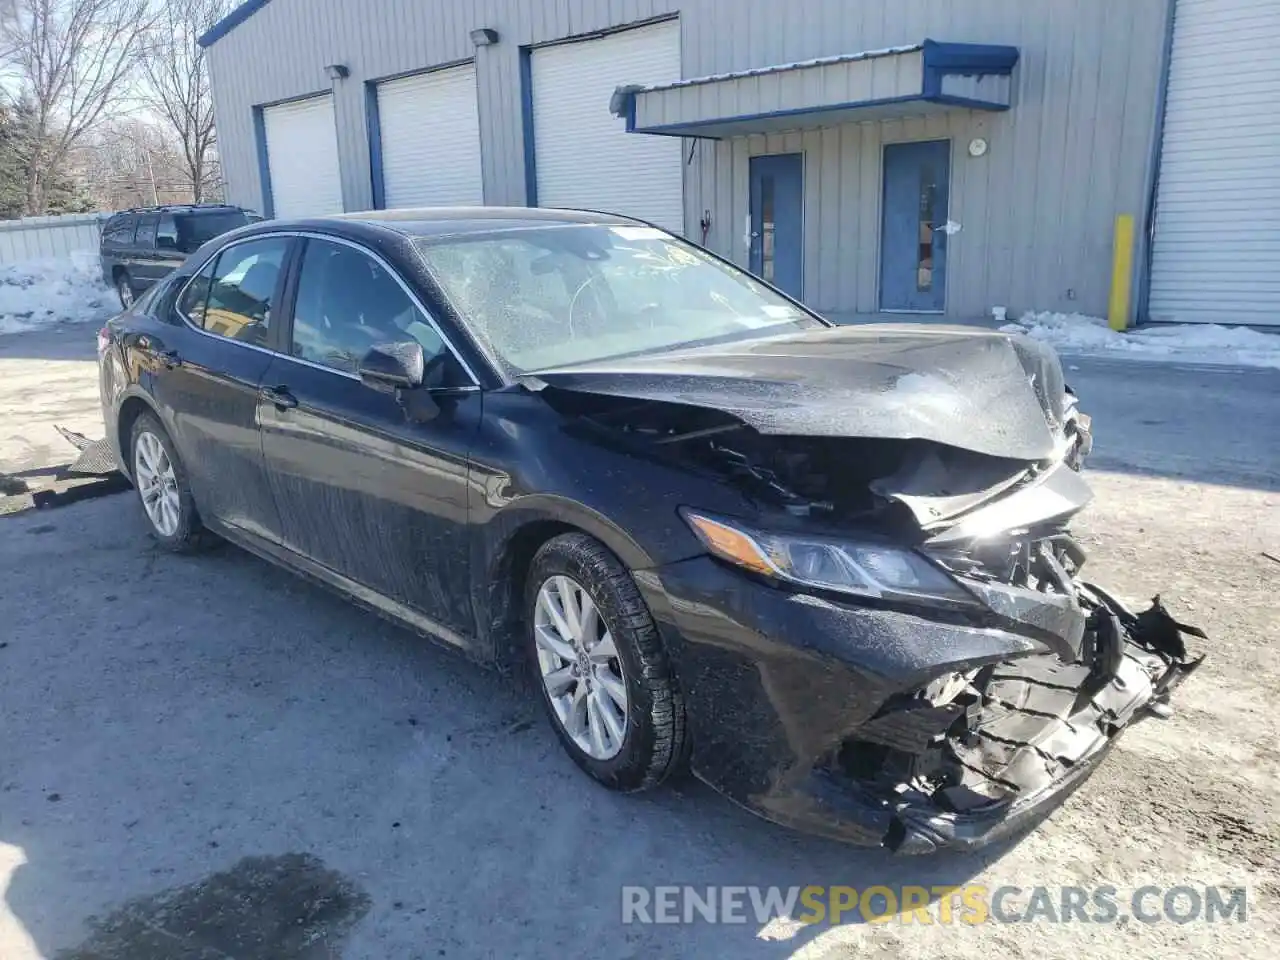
x: 157, y: 484
x: 126, y: 294
x: 580, y: 667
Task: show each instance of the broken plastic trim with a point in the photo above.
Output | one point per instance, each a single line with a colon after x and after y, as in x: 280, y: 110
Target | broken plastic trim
x: 1015, y: 737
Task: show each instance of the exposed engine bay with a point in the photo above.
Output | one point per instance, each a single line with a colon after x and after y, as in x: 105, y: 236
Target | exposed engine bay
x: 831, y: 478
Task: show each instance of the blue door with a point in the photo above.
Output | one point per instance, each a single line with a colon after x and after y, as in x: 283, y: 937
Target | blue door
x: 913, y: 243
x: 777, y: 220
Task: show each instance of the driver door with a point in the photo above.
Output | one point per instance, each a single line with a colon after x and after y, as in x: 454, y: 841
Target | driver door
x: 363, y: 489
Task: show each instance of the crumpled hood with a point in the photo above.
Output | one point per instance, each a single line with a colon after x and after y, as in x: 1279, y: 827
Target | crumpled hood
x: 990, y: 392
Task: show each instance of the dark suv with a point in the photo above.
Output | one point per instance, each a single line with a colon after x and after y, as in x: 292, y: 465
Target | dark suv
x: 141, y: 246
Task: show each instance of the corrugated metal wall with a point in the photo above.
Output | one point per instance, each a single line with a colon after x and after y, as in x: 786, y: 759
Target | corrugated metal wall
x: 1037, y: 210
x: 33, y: 238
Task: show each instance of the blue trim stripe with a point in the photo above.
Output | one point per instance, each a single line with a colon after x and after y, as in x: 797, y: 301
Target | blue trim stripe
x: 232, y: 20
x: 373, y: 126
x: 954, y: 101
x: 1142, y: 265
x: 264, y: 163
x: 526, y: 120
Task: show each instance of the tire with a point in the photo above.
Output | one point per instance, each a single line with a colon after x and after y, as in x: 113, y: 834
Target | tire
x: 178, y: 529
x: 652, y: 746
x: 124, y: 290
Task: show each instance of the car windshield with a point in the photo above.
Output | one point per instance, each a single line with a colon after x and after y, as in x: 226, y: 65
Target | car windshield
x: 198, y: 228
x: 558, y: 295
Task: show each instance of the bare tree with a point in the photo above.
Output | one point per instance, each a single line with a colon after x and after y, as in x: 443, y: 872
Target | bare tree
x: 132, y: 162
x: 179, y: 84
x: 70, y: 60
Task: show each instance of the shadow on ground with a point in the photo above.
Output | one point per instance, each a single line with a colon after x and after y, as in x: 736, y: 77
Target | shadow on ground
x: 67, y: 341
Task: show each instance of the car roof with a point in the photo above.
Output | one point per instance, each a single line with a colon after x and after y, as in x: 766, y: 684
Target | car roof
x: 446, y: 221
x: 181, y: 208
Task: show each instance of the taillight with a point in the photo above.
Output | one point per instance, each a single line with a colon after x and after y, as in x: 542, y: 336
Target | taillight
x: 104, y: 340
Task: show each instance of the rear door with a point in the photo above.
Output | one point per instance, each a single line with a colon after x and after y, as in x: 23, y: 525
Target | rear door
x: 117, y: 237
x: 168, y: 255
x: 207, y: 366
x: 144, y: 266
x: 364, y: 488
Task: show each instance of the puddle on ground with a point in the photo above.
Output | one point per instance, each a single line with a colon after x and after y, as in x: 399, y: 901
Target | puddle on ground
x: 264, y: 908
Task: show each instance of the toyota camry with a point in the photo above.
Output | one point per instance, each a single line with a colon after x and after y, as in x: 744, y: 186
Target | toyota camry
x: 828, y: 568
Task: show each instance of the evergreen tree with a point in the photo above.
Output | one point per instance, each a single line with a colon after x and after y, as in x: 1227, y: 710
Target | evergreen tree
x: 17, y: 151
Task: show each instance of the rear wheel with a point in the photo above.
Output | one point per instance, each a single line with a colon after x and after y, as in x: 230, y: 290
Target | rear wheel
x: 162, y: 488
x: 124, y: 287
x: 601, y: 667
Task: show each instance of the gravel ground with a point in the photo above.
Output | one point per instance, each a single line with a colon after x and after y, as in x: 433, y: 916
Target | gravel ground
x: 210, y: 744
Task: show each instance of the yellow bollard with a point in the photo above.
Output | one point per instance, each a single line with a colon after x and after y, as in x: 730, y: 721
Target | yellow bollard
x: 1121, y: 273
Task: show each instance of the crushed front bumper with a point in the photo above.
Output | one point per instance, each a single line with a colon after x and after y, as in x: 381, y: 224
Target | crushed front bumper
x: 915, y: 730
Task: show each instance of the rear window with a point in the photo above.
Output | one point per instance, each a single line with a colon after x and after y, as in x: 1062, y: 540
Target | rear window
x: 195, y: 229
x: 167, y: 232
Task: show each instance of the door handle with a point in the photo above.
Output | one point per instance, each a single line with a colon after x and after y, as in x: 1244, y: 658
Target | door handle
x: 279, y: 396
x: 157, y: 353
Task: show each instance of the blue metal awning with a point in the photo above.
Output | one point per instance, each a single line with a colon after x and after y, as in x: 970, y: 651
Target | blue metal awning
x: 877, y: 84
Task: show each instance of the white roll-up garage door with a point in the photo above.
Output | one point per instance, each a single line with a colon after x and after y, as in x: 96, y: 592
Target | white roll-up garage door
x: 583, y: 155
x: 430, y: 131
x: 302, y: 158
x: 1216, y: 248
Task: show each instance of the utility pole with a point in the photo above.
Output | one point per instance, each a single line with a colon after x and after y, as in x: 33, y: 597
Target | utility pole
x: 151, y: 175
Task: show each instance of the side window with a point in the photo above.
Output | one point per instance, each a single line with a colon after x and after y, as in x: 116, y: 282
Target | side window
x: 242, y: 289
x: 119, y: 230
x: 194, y: 299
x: 167, y: 233
x: 346, y: 303
x: 146, y: 236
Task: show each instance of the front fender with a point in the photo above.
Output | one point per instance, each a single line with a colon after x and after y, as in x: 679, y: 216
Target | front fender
x: 504, y: 546
x: 553, y: 510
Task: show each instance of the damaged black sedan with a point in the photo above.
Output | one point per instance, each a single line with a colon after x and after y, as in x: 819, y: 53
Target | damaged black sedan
x: 829, y: 568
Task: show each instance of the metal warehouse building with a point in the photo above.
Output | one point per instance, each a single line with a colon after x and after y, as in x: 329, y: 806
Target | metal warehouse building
x: 868, y: 156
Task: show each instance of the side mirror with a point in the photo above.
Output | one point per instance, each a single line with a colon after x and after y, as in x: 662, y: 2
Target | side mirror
x: 391, y: 366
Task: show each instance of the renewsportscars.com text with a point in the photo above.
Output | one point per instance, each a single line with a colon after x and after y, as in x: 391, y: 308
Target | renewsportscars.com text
x: 969, y: 904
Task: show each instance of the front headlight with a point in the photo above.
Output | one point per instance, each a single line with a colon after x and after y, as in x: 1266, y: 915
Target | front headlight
x: 865, y: 569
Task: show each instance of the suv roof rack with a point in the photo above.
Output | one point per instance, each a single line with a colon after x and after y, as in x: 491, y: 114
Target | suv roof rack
x: 176, y: 207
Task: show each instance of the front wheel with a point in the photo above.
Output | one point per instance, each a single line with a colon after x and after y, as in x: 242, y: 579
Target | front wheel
x: 600, y: 665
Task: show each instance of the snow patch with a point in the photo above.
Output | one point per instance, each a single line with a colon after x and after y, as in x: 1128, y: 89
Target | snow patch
x: 1182, y: 342
x: 40, y: 293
